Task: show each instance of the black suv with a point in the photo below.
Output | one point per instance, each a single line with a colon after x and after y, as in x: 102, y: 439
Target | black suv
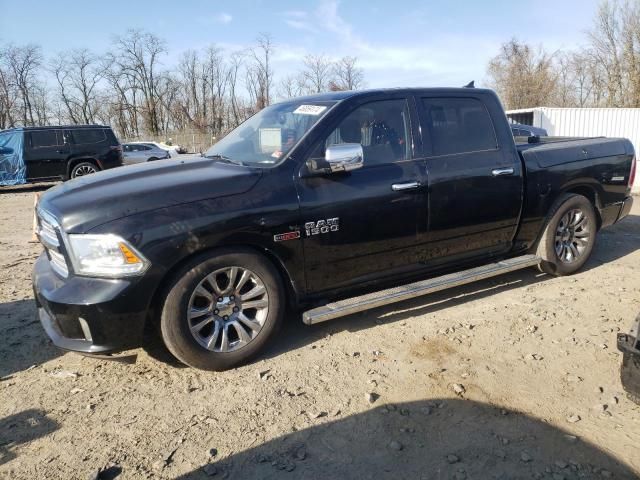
x: 63, y: 152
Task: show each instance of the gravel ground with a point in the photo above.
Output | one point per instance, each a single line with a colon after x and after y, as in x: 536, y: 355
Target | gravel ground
x: 514, y: 377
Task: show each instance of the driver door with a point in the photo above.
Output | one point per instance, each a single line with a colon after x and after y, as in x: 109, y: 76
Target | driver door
x: 363, y: 224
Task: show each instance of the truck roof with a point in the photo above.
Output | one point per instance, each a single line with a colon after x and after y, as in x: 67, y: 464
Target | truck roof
x: 344, y: 94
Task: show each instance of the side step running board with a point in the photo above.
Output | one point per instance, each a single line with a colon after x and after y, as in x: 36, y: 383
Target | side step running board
x: 423, y: 287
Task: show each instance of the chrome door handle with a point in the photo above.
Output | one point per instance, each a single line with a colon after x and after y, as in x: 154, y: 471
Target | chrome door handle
x: 402, y: 187
x: 498, y: 172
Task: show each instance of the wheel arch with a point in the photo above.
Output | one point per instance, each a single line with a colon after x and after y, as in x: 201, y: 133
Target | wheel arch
x: 72, y: 162
x: 291, y: 292
x: 590, y: 193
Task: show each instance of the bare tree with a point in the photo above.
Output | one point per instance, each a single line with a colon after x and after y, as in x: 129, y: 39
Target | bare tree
x: 318, y: 72
x: 8, y: 93
x: 605, y: 41
x: 293, y: 86
x: 522, y: 76
x: 217, y: 82
x: 137, y: 56
x: 78, y: 74
x: 209, y: 90
x: 348, y: 76
x: 259, y: 75
x: 22, y: 64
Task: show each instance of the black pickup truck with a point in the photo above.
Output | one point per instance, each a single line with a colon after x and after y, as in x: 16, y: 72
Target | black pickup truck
x: 328, y: 204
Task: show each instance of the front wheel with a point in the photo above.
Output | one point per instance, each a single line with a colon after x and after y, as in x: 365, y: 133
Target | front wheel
x: 221, y: 310
x: 569, y: 236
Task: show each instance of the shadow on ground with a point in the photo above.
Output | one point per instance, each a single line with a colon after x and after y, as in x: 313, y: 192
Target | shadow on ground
x: 438, y: 439
x: 23, y: 342
x: 616, y: 241
x: 29, y: 187
x: 22, y: 428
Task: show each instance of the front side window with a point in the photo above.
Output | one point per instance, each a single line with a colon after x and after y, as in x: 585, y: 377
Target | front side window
x: 268, y: 136
x: 45, y: 138
x: 458, y: 125
x: 382, y: 128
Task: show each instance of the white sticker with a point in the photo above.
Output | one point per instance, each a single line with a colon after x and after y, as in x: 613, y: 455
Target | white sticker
x: 310, y: 109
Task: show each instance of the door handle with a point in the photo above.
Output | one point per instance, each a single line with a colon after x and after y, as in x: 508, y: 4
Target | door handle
x: 498, y: 172
x: 403, y: 187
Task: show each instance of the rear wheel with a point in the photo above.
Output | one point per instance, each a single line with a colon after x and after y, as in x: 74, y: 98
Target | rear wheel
x: 569, y: 236
x: 82, y: 169
x: 221, y: 310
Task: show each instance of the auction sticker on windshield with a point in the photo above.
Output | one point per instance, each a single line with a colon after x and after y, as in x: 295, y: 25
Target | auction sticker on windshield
x: 310, y: 109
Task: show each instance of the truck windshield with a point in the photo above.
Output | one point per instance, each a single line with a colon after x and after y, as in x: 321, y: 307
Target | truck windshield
x: 268, y: 136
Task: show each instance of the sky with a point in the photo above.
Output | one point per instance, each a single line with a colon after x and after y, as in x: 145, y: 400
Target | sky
x: 397, y: 43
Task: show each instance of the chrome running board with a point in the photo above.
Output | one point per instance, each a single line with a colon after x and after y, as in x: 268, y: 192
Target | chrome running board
x: 416, y: 289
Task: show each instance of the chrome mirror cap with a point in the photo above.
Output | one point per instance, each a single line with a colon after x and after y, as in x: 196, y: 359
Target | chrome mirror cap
x: 344, y: 157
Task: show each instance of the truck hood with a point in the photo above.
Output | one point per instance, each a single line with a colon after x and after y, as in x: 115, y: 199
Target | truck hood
x: 86, y: 202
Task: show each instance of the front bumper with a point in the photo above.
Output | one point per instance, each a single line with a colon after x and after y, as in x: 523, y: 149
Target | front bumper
x: 629, y: 345
x: 89, y: 315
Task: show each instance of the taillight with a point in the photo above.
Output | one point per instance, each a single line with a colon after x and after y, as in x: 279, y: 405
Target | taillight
x: 117, y: 148
x: 632, y: 174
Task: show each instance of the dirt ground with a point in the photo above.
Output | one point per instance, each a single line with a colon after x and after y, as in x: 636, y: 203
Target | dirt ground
x: 514, y: 377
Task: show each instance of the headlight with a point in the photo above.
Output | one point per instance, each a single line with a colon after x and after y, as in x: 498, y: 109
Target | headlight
x: 105, y: 256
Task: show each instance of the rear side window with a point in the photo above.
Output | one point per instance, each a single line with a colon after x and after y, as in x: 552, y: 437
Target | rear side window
x: 46, y: 138
x: 458, y: 125
x: 111, y: 137
x: 85, y: 136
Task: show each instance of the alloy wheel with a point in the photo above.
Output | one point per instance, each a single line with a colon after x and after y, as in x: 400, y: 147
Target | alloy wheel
x: 572, y: 235
x: 227, y: 309
x: 84, y: 170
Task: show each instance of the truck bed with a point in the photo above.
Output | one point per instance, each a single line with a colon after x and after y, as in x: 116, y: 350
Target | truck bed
x: 552, y: 151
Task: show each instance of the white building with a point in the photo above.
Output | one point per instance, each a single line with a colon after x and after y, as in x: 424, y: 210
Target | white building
x: 585, y: 122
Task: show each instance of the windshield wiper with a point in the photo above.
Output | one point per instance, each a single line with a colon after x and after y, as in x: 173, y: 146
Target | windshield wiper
x: 224, y: 158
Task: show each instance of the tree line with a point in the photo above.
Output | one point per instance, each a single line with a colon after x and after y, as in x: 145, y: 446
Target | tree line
x: 603, y: 73
x: 129, y: 88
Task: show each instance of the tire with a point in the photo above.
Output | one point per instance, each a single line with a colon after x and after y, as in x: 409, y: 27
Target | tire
x: 83, y: 168
x: 152, y: 159
x: 198, y: 339
x: 569, y: 235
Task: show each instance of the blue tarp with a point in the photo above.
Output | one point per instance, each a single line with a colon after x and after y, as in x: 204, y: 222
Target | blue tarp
x: 13, y: 170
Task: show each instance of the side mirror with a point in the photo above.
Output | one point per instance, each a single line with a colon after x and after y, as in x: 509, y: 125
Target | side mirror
x: 6, y: 151
x: 342, y: 157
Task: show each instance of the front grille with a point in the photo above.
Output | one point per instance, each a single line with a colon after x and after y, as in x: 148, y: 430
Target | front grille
x: 58, y: 263
x: 48, y: 232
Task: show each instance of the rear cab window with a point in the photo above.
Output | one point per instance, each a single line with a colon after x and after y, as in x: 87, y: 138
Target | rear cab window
x: 457, y: 125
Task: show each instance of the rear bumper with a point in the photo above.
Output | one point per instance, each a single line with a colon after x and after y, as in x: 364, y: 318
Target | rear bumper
x: 629, y: 345
x: 615, y: 212
x: 626, y: 208
x: 111, y: 160
x: 88, y: 315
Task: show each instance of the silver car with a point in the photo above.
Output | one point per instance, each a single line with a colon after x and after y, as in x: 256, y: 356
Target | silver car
x: 139, y: 152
